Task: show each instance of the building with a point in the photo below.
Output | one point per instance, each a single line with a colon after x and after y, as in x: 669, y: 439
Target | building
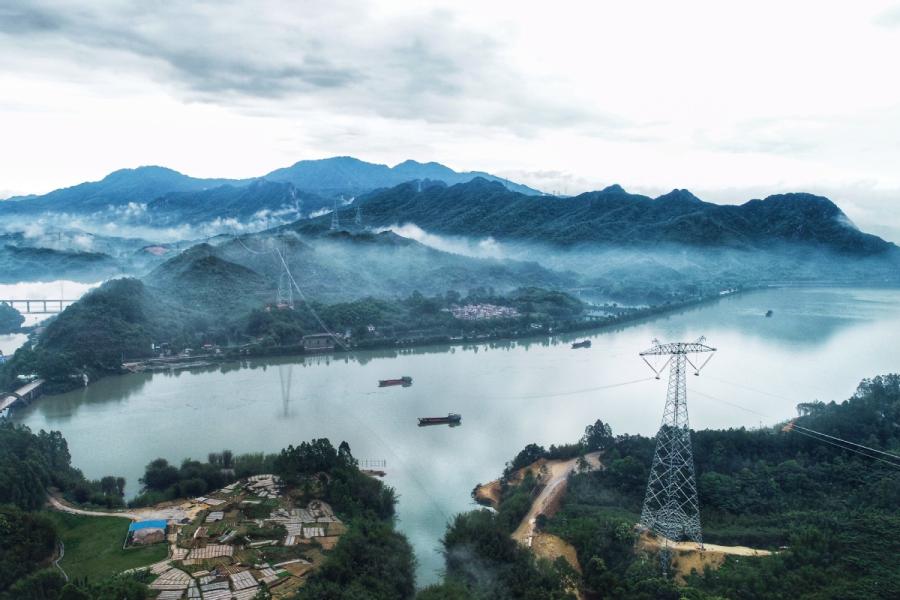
x: 143, y: 533
x: 318, y: 342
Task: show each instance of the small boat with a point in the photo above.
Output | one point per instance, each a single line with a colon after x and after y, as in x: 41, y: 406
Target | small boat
x: 404, y: 381
x: 451, y: 419
x: 769, y: 313
x: 582, y: 344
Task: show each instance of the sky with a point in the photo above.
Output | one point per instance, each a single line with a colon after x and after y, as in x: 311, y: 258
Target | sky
x: 732, y: 100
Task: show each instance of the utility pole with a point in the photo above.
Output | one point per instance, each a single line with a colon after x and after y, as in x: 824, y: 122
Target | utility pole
x: 671, y: 508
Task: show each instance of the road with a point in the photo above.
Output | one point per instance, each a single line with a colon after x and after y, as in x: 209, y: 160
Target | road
x: 548, y: 499
x: 141, y: 514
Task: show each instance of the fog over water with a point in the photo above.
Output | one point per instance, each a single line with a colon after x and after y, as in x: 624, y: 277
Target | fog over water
x: 817, y: 345
x: 37, y: 290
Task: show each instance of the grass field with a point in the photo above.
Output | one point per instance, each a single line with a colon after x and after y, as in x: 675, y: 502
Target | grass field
x: 94, y: 546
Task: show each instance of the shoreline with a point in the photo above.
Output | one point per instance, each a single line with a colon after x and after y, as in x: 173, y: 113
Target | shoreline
x: 565, y: 332
x: 597, y: 325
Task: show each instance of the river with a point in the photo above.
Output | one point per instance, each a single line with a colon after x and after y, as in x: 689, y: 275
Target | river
x: 818, y: 344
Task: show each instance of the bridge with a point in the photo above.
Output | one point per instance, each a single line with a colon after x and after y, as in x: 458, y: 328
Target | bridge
x: 24, y: 394
x: 38, y: 306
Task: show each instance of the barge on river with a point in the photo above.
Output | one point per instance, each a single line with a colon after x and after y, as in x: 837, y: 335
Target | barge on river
x: 404, y: 381
x: 450, y: 419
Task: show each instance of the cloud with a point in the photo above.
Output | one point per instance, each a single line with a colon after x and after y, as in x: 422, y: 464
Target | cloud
x: 889, y: 18
x: 281, y: 57
x: 474, y: 247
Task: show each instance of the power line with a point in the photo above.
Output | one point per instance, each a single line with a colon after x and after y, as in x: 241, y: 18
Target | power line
x: 711, y: 397
x: 306, y: 302
x: 750, y: 389
x: 572, y: 392
x: 891, y: 463
x: 894, y: 456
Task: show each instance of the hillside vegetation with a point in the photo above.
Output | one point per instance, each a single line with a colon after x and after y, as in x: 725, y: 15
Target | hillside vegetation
x: 614, y: 217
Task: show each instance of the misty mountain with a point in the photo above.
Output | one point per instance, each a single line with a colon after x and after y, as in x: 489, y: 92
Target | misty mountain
x: 258, y: 200
x: 146, y: 198
x: 334, y: 267
x: 25, y: 263
x: 350, y: 176
x: 119, y: 188
x: 613, y: 217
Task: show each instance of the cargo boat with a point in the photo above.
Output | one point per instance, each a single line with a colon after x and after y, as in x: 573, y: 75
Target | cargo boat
x: 450, y: 419
x: 404, y: 381
x: 584, y: 344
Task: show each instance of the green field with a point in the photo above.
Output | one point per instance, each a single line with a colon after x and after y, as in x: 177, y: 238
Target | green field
x: 94, y: 546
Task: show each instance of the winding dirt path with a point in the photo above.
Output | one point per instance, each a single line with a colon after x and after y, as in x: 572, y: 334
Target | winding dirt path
x: 175, y: 513
x: 548, y: 500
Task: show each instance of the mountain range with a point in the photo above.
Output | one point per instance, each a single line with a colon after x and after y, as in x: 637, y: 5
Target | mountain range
x: 155, y: 195
x: 614, y: 217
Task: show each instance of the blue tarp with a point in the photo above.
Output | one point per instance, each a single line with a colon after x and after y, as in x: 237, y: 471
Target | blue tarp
x: 159, y: 524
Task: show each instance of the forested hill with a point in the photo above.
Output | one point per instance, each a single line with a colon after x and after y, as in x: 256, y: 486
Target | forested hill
x: 615, y: 217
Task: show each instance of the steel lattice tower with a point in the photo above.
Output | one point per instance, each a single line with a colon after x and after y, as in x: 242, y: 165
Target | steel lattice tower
x: 335, y: 220
x: 671, y: 508
x: 358, y: 218
x: 285, y: 294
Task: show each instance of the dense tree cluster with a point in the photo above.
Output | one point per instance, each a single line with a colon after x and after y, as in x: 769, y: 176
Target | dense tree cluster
x: 484, y: 562
x: 162, y: 481
x: 317, y: 465
x: 50, y: 585
x: 26, y: 541
x: 31, y: 463
x: 371, y: 561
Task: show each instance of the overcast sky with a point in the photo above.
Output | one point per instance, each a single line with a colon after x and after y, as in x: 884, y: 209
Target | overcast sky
x: 731, y: 100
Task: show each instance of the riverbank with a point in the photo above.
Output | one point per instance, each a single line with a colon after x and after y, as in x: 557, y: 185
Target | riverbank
x: 626, y: 318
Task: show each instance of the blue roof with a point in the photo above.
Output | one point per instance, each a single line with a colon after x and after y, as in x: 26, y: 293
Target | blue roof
x: 158, y: 524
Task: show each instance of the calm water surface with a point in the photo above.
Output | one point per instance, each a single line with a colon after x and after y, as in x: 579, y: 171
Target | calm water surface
x: 817, y: 345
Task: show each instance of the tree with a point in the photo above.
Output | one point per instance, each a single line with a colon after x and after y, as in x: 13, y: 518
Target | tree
x: 159, y: 475
x: 10, y: 319
x: 26, y: 541
x: 597, y: 436
x: 41, y: 585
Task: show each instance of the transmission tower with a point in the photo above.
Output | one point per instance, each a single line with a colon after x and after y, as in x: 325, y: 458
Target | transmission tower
x: 358, y: 218
x: 335, y: 221
x: 285, y: 295
x: 671, y: 508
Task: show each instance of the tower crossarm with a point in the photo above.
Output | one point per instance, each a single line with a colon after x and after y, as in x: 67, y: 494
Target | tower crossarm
x: 677, y: 348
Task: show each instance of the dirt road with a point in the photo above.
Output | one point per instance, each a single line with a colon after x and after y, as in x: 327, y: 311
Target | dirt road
x: 548, y: 500
x: 140, y: 514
